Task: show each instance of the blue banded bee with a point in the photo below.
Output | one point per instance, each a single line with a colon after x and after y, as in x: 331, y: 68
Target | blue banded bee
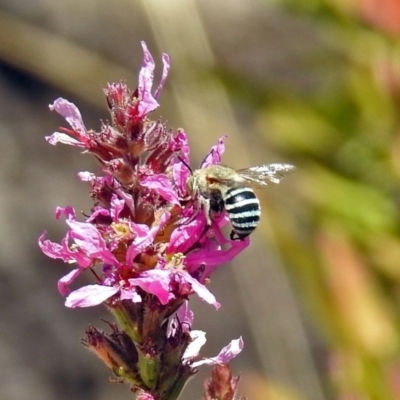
x: 221, y: 188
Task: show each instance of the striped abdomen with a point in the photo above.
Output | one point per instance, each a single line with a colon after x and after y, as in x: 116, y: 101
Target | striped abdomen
x: 243, y: 210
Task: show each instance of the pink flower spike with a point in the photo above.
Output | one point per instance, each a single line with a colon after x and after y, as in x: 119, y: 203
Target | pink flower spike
x: 227, y: 354
x: 166, y: 67
x: 215, y: 155
x: 91, y: 295
x: 162, y: 185
x: 72, y: 115
x: 147, y: 103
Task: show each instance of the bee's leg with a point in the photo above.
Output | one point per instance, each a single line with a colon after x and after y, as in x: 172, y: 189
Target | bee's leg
x: 207, y: 210
x: 235, y: 236
x: 216, y: 202
x: 232, y: 235
x: 198, y: 203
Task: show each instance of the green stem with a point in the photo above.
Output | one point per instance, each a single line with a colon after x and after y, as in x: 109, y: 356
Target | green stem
x: 149, y: 369
x: 174, y: 392
x: 126, y: 324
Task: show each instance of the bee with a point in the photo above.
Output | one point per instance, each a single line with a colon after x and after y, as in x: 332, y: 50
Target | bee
x: 219, y: 188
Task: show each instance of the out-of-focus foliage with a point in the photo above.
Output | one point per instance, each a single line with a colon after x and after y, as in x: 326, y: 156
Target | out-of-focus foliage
x: 340, y: 236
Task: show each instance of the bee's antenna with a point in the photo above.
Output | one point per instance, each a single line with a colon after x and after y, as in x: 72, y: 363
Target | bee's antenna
x: 186, y: 165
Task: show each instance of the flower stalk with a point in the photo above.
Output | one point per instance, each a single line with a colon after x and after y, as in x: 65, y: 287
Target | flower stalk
x: 146, y: 239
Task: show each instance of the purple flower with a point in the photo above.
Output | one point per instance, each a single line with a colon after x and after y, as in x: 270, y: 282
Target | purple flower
x: 145, y: 238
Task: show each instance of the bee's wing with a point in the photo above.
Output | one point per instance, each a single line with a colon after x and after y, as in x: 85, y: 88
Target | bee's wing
x: 261, y: 175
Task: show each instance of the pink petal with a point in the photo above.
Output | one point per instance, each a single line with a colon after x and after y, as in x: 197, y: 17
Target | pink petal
x: 66, y: 280
x: 145, y: 396
x: 91, y: 295
x: 127, y: 198
x: 117, y: 206
x: 62, y: 251
x: 51, y: 249
x: 71, y: 113
x: 86, y: 176
x: 76, y: 254
x: 166, y: 67
x: 185, y: 315
x: 68, y: 212
x: 186, y: 235
x: 162, y: 185
x: 156, y: 282
x: 181, y: 174
x: 144, y: 239
x: 147, y: 102
x: 90, y: 241
x: 183, y: 319
x: 199, y: 289
x: 182, y: 143
x: 193, y: 349
x: 140, y: 230
x: 136, y: 298
x: 58, y: 137
x: 212, y: 259
x: 98, y: 211
x: 227, y: 354
x: 215, y: 155
x: 180, y: 170
x: 138, y: 246
x: 130, y: 294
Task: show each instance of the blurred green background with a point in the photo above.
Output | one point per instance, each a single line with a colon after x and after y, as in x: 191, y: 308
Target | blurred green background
x: 314, y: 83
